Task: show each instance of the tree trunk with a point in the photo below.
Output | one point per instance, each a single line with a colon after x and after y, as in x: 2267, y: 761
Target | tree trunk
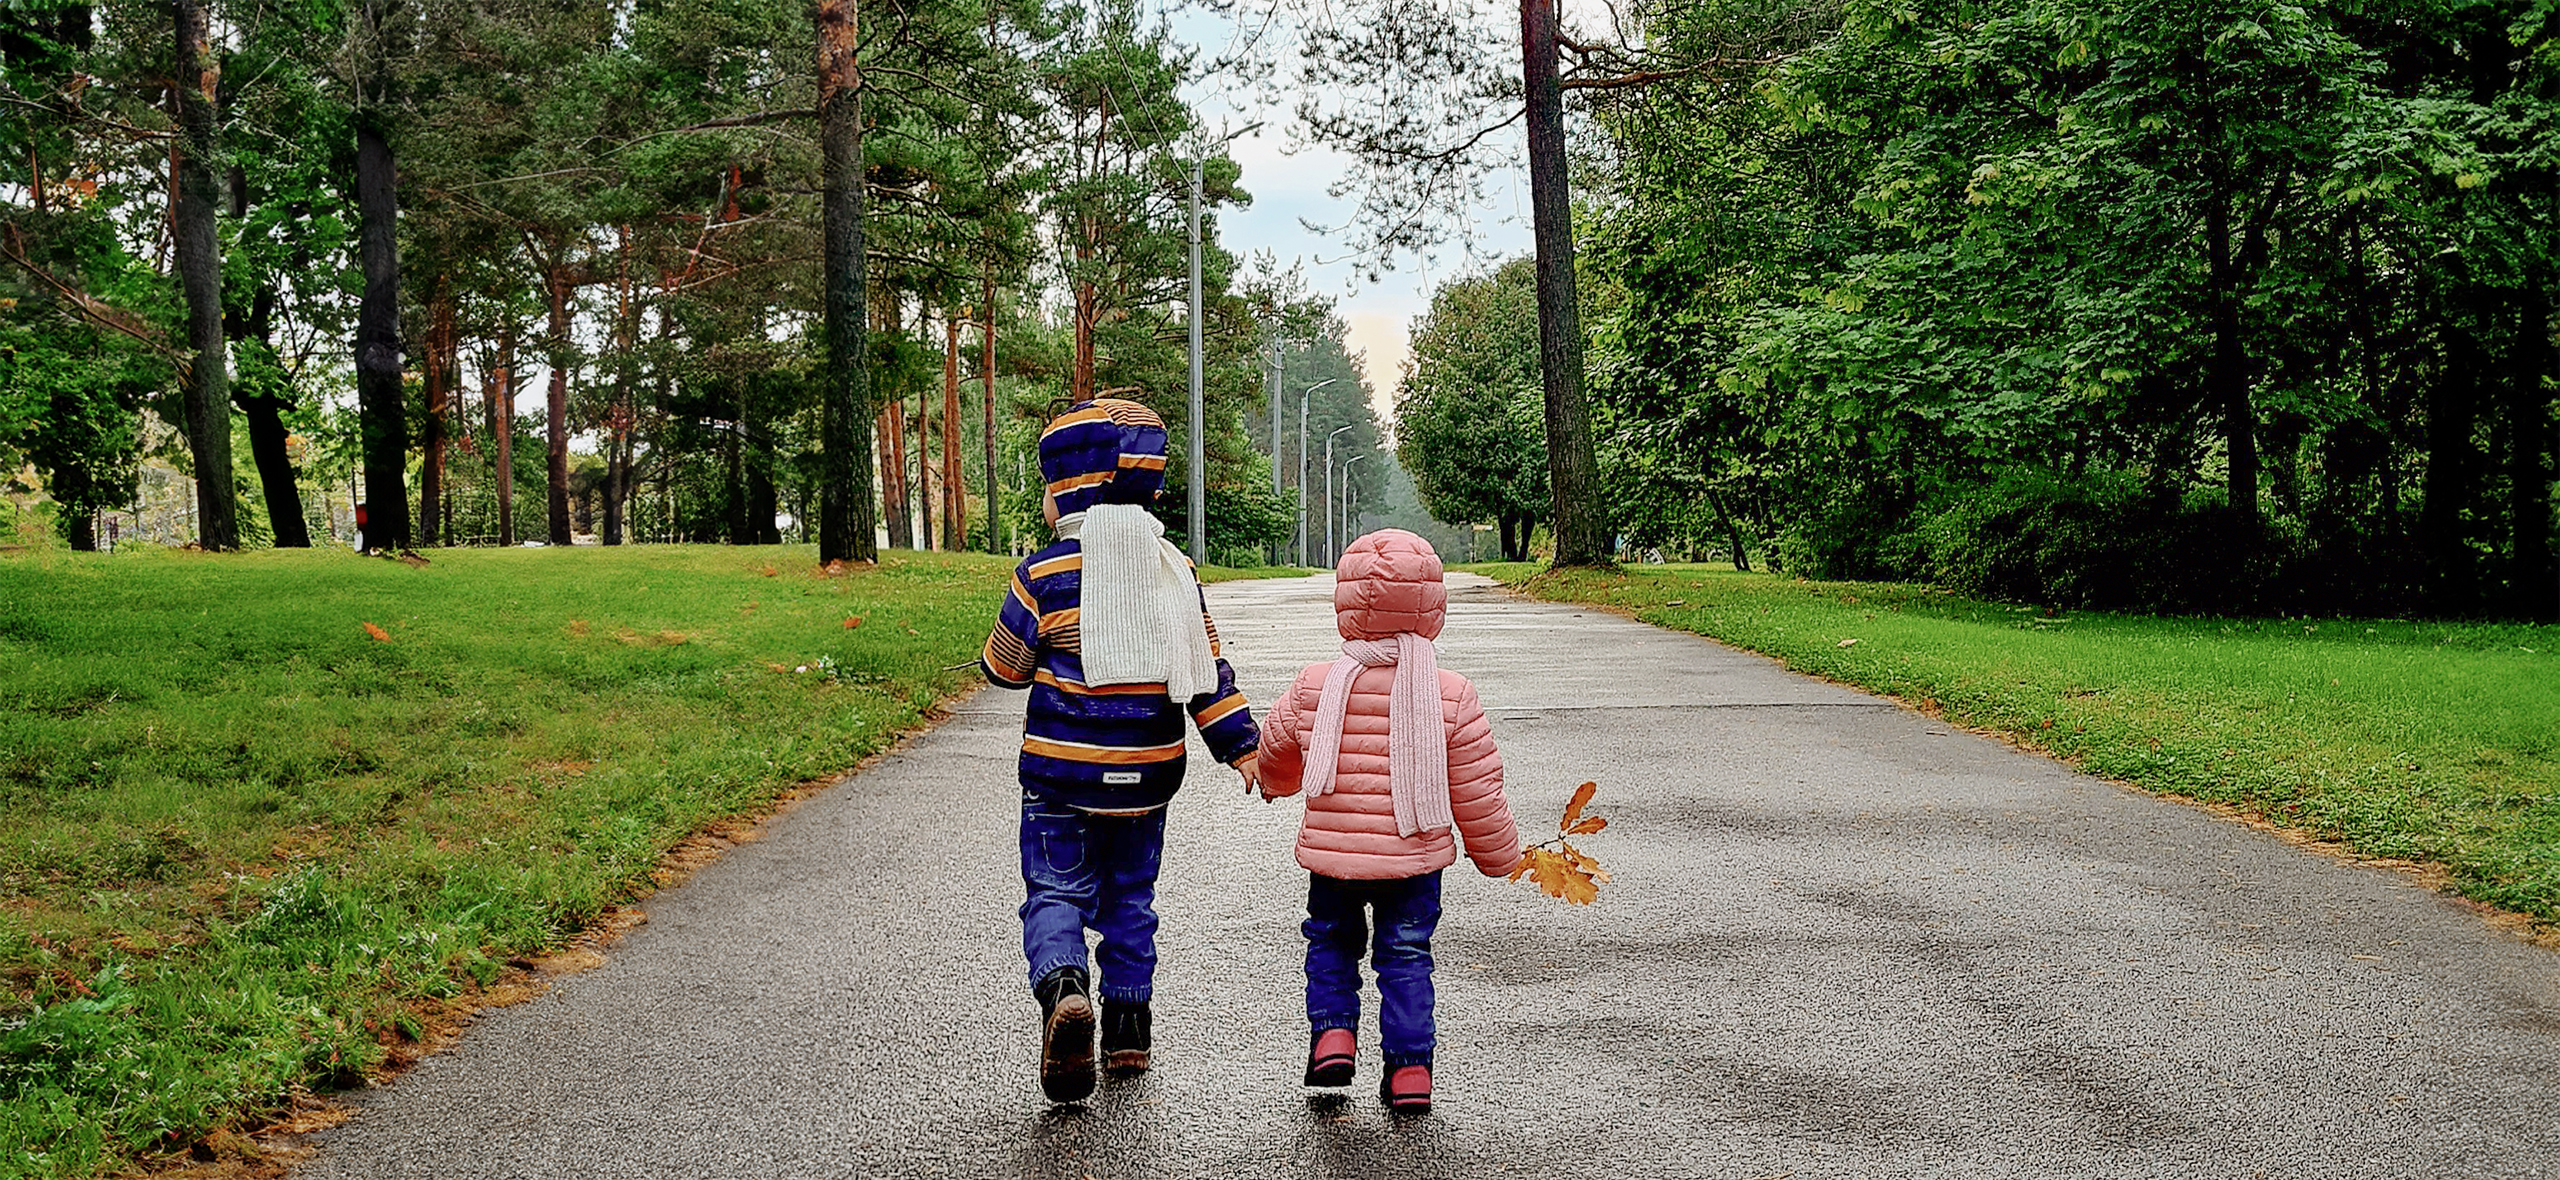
x: 955, y: 480
x: 2228, y: 381
x: 556, y: 405
x: 2452, y: 414
x: 199, y: 262
x: 845, y: 523
x: 924, y: 469
x: 263, y: 407
x: 1733, y: 531
x: 987, y: 374
x: 739, y: 524
x: 893, y: 476
x: 69, y: 484
x: 431, y: 440
x: 763, y: 504
x: 380, y: 410
x: 269, y: 449
x: 2533, y: 584
x: 502, y: 428
x: 1573, y: 477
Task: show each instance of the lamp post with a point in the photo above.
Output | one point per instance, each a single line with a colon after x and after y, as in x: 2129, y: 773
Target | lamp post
x: 1303, y: 395
x: 1349, y: 493
x: 1330, y: 554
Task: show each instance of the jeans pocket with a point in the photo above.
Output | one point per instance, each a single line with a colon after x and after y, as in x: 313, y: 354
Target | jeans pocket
x: 1061, y: 842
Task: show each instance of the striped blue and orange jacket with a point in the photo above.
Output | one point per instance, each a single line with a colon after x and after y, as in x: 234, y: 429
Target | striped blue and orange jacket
x: 1114, y: 748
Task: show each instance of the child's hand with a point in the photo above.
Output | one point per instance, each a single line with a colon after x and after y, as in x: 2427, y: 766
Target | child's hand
x: 1252, y: 777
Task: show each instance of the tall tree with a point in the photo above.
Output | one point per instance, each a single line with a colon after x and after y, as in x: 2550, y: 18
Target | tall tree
x: 381, y: 410
x: 844, y: 520
x: 1573, y: 479
x: 199, y: 260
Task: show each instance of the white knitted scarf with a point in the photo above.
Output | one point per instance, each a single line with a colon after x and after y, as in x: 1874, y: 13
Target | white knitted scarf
x: 1140, y: 615
x: 1417, y: 745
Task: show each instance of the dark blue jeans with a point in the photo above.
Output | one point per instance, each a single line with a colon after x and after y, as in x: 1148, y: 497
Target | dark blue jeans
x: 1338, y: 931
x: 1080, y: 871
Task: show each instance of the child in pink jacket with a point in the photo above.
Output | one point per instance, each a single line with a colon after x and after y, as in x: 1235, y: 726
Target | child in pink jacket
x: 1396, y: 760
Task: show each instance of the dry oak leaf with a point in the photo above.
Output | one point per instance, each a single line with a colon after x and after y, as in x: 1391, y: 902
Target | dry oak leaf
x: 379, y: 635
x: 1581, y: 799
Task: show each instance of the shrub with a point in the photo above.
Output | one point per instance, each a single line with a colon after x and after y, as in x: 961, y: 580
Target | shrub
x: 1858, y: 533
x: 2110, y: 540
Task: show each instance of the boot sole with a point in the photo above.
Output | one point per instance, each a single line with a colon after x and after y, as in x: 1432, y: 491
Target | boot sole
x: 1332, y: 1071
x: 1126, y: 1061
x: 1066, y: 1051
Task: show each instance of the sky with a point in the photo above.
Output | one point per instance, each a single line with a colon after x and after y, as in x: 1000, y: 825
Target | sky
x: 1289, y: 190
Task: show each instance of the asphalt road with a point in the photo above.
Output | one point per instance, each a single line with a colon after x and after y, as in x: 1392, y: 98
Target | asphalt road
x: 1842, y: 941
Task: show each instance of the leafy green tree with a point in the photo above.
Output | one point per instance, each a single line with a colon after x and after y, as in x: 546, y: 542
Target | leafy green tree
x: 1469, y: 418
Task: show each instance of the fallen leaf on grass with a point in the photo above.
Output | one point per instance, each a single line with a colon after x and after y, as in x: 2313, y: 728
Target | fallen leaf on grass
x: 1847, y: 643
x: 378, y: 633
x: 852, y: 621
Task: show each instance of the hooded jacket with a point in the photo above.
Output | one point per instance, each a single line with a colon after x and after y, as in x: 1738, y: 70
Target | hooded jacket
x: 1117, y: 747
x: 1389, y: 581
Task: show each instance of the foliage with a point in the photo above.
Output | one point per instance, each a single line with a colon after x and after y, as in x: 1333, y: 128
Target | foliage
x: 245, y: 836
x: 617, y: 204
x: 1557, y: 867
x: 2417, y: 740
x: 1904, y: 256
x: 1470, y: 417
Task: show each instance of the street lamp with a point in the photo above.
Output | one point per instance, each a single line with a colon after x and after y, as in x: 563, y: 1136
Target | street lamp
x: 1348, y: 494
x: 1330, y: 554
x: 1302, y: 463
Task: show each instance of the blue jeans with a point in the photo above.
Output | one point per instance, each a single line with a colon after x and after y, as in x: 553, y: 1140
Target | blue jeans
x: 1338, y: 930
x: 1081, y: 870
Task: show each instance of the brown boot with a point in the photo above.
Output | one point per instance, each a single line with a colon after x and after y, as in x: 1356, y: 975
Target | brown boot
x: 1128, y: 1033
x: 1066, y: 1035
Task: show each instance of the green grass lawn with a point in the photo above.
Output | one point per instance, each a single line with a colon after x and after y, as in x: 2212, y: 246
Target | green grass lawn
x: 241, y: 838
x: 2436, y: 742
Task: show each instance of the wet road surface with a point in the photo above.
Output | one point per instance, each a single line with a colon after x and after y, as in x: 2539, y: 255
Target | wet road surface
x: 1842, y: 941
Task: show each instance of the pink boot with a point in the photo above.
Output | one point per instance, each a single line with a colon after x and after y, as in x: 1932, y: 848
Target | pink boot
x: 1334, y: 1058
x: 1406, y: 1090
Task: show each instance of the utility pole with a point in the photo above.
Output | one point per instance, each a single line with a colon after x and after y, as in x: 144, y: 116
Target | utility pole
x: 1331, y: 554
x: 1303, y: 397
x: 1349, y: 492
x: 1199, y: 529
x: 1277, y: 376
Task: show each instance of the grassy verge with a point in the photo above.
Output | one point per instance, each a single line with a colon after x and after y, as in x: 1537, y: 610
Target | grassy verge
x: 2425, y: 741
x: 243, y: 838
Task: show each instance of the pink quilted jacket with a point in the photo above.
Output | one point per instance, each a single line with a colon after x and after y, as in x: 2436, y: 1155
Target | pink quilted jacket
x: 1389, y: 581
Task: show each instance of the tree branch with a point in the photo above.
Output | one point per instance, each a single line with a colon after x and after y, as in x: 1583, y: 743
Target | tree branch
x: 1648, y: 77
x: 97, y: 312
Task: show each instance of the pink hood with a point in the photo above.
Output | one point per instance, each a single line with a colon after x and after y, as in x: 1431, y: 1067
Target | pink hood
x: 1389, y: 581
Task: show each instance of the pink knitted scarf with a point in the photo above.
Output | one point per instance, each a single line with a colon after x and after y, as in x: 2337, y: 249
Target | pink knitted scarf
x: 1417, y: 743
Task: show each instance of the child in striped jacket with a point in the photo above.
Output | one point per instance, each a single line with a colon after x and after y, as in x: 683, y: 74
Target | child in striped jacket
x: 1108, y: 629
